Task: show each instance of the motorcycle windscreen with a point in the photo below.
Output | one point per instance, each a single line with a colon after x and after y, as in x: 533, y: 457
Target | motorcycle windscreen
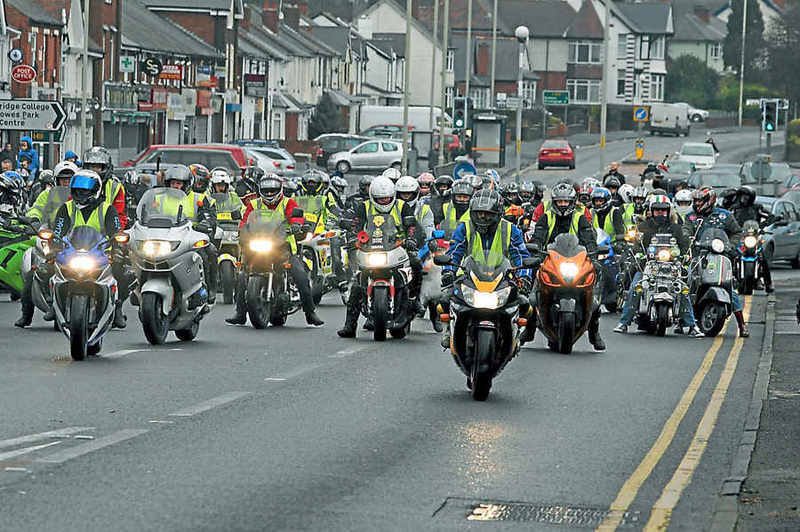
x: 566, y: 245
x: 164, y: 208
x: 485, y: 277
x: 710, y: 234
x: 750, y: 227
x: 85, y: 238
x: 265, y: 223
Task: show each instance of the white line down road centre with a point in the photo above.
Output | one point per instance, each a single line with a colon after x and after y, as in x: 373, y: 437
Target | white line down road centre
x: 37, y: 115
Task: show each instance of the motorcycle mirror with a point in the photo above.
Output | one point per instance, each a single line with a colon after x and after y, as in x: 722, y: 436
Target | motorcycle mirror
x: 297, y: 212
x: 409, y: 221
x: 532, y: 248
x: 442, y: 260
x: 530, y: 262
x: 603, y: 250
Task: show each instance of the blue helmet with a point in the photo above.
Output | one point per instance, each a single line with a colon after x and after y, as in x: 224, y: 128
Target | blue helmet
x: 85, y: 188
x: 601, y: 199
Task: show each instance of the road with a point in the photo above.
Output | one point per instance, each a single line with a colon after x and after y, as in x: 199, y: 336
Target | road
x: 295, y: 428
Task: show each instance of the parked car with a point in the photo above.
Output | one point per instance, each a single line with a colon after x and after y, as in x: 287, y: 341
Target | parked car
x: 257, y: 143
x: 793, y: 196
x: 331, y: 143
x: 777, y: 178
x: 717, y: 178
x: 370, y: 155
x: 695, y: 114
x: 229, y: 156
x: 388, y: 131
x: 782, y: 238
x: 283, y: 163
x: 453, y: 146
x: 669, y: 118
x: 699, y: 153
x: 556, y: 153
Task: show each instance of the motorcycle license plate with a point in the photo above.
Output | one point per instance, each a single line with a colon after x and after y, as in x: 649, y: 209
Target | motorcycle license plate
x: 224, y: 216
x: 310, y: 217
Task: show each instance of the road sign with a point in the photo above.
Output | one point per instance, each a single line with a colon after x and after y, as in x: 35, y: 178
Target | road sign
x: 151, y: 66
x: 556, y: 97
x: 641, y: 114
x: 463, y: 169
x: 48, y: 136
x: 127, y: 63
x: 783, y: 105
x: 513, y: 102
x: 752, y: 101
x: 15, y: 55
x: 42, y: 115
x: 23, y: 73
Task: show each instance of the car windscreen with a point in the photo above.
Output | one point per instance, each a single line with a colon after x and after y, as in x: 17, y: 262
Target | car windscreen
x: 700, y: 150
x: 554, y: 144
x: 208, y: 158
x: 719, y: 180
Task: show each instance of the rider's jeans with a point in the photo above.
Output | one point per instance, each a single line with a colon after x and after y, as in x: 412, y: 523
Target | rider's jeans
x: 632, y: 302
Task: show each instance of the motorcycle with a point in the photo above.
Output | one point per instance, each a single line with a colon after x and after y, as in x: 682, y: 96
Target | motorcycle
x: 566, y: 292
x: 271, y: 293
x: 608, y: 290
x: 84, y: 291
x: 661, y: 286
x: 711, y: 281
x: 170, y: 290
x: 748, y: 268
x: 15, y: 239
x: 431, y: 290
x: 318, y: 257
x: 228, y: 259
x: 484, y: 320
x: 629, y: 262
x: 385, y: 276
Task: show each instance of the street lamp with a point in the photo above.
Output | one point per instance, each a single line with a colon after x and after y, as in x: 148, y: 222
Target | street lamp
x: 522, y: 34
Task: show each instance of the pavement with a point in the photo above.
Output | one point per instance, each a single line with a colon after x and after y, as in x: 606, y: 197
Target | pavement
x: 294, y: 428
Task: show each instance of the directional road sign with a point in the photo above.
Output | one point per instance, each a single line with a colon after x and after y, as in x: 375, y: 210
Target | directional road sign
x: 42, y: 115
x: 641, y: 114
x: 555, y: 97
x: 463, y: 169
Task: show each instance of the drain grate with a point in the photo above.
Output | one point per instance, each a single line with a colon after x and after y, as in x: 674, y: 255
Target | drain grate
x: 525, y: 512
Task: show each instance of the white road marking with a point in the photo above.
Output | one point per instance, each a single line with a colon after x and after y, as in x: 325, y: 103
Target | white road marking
x: 17, y: 469
x: 84, y: 437
x: 30, y: 438
x: 26, y: 450
x: 161, y: 421
x: 347, y: 352
x: 208, y: 405
x: 120, y: 354
x: 274, y: 379
x: 296, y: 372
x: 74, y: 452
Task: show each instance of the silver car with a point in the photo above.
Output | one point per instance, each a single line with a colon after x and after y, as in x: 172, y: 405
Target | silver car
x: 371, y: 155
x: 782, y: 238
x: 283, y: 162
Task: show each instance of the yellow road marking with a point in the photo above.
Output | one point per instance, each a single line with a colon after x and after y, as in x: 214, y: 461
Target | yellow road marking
x: 631, y: 487
x: 662, y: 509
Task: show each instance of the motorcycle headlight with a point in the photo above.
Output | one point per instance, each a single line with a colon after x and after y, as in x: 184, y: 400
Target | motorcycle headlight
x: 568, y: 271
x: 487, y: 300
x: 717, y: 245
x: 82, y: 263
x: 750, y: 241
x: 377, y: 259
x: 664, y: 255
x: 156, y: 248
x: 631, y: 235
x: 261, y: 246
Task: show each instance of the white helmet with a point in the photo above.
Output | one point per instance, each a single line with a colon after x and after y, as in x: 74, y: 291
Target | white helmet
x: 381, y: 194
x: 407, y: 189
x: 65, y: 170
x: 625, y: 192
x: 392, y: 173
x: 219, y: 175
x: 683, y: 202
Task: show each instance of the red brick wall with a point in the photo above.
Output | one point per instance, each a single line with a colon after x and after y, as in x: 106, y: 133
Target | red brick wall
x: 291, y: 126
x: 49, y: 70
x: 482, y: 62
x: 199, y: 24
x: 553, y: 80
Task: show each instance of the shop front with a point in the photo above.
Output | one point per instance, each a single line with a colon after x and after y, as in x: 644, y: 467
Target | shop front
x: 125, y: 127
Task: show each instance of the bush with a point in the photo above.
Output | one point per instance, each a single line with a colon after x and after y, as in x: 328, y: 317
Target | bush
x: 792, y: 152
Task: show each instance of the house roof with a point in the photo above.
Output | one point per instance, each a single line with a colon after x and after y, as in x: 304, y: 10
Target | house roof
x: 196, y: 5
x: 315, y: 45
x: 544, y: 18
x: 263, y: 43
x: 690, y: 27
x: 144, y: 29
x: 506, y: 61
x: 390, y: 42
x: 401, y: 10
x: 649, y: 18
x: 586, y: 24
x: 34, y: 11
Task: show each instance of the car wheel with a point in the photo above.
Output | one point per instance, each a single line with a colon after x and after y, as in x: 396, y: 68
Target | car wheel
x: 697, y: 118
x: 572, y: 165
x: 343, y: 166
x: 796, y: 261
x: 541, y: 166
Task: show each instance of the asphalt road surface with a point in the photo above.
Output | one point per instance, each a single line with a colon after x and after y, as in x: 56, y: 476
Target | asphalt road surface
x: 295, y: 428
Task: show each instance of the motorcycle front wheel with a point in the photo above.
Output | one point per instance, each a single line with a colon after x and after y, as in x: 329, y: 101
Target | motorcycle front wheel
x: 484, y: 355
x: 258, y: 308
x: 380, y: 312
x: 78, y: 326
x: 712, y: 319
x: 227, y: 276
x: 154, y: 323
x: 662, y: 319
x: 566, y: 332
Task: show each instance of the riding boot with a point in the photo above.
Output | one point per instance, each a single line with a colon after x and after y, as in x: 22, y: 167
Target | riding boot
x: 744, y: 332
x: 240, y: 308
x: 350, y: 323
x: 26, y: 317
x: 594, y: 333
x: 529, y: 332
x: 120, y: 320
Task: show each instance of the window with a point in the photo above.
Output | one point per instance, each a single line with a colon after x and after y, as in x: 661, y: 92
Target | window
x: 621, y: 82
x: 657, y: 48
x: 584, y: 52
x: 644, y: 47
x: 656, y: 88
x: 449, y: 95
x: 451, y: 59
x: 388, y: 146
x: 622, y: 45
x: 716, y: 50
x: 584, y: 90
x: 529, y: 92
x: 372, y: 147
x: 479, y: 97
x: 277, y: 126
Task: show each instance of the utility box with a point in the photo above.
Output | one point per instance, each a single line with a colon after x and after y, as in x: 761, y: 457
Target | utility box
x: 489, y: 140
x: 422, y: 142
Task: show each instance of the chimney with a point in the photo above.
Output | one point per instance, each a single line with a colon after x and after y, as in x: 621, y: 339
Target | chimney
x: 269, y: 17
x: 291, y: 16
x: 703, y: 13
x: 780, y: 3
x: 482, y: 62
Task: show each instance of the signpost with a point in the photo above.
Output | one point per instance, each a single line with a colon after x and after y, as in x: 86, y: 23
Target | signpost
x: 556, y: 97
x: 23, y: 73
x: 127, y: 63
x: 31, y: 115
x: 641, y: 114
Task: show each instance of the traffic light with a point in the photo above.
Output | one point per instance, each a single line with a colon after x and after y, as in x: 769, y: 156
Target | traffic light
x: 770, y: 116
x: 462, y: 109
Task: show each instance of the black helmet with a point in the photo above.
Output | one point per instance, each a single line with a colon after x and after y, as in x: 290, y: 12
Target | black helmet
x: 461, y: 193
x: 179, y: 173
x: 255, y: 173
x: 442, y: 184
x: 98, y: 159
x: 746, y: 195
x: 363, y: 184
x: 728, y: 197
x: 612, y: 182
x: 560, y: 193
x: 485, y: 210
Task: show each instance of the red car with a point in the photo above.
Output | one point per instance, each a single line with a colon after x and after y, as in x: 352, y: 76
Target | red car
x: 229, y: 156
x: 556, y: 153
x: 453, y: 143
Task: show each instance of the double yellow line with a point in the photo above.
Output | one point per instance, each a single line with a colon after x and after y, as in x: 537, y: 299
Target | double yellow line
x: 662, y: 510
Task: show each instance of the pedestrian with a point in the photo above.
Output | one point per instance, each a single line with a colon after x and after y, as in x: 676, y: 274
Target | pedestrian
x: 7, y: 153
x: 26, y: 151
x: 6, y: 164
x: 72, y: 157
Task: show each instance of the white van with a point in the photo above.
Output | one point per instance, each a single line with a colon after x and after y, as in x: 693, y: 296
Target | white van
x: 670, y: 118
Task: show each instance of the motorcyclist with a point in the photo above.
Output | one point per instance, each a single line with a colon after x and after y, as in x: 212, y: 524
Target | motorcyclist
x: 660, y: 219
x: 627, y: 209
x: 683, y: 203
x: 201, y: 210
x: 639, y: 199
x: 653, y: 174
x: 361, y: 195
x: 456, y: 210
x: 88, y: 206
x: 706, y: 215
x: 545, y: 205
x: 384, y: 204
x: 272, y: 202
x: 134, y: 187
x: 613, y: 184
x: 606, y: 216
x: 407, y: 190
x: 247, y: 186
x: 488, y: 239
x: 290, y: 188
x: 613, y: 171
x: 710, y: 140
x: 47, y: 203
x: 728, y: 198
x: 226, y: 199
x: 425, y: 180
x: 440, y: 194
x: 98, y: 159
x: 321, y: 211
x: 338, y: 188
x: 510, y: 195
x: 746, y: 208
x: 45, y: 181
x: 12, y: 194
x: 562, y: 217
x: 585, y: 196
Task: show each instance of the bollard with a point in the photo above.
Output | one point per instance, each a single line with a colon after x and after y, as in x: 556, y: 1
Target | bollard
x: 639, y: 149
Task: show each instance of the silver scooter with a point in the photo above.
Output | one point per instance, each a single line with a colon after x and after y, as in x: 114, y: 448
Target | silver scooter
x: 171, y: 291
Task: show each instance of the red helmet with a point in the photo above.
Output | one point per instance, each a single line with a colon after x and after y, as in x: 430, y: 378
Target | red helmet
x: 704, y: 200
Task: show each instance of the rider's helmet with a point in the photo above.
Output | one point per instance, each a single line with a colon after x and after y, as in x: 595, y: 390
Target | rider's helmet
x: 290, y: 188
x: 592, y: 182
x: 270, y: 189
x: 683, y: 201
x: 425, y: 181
x: 639, y: 196
x: 462, y: 193
x: 201, y: 178
x: 220, y: 181
x: 585, y: 195
x: 381, y: 194
x: 728, y: 198
x: 563, y: 198
x: 340, y: 184
x: 511, y: 194
x: 98, y: 159
x: 313, y: 183
x: 443, y: 184
x: 179, y: 174
x: 527, y: 192
x: 601, y: 200
x: 746, y: 195
x: 625, y: 192
x: 46, y: 179
x: 392, y: 173
x: 11, y: 196
x: 485, y: 210
x: 363, y: 184
x: 326, y: 182
x: 491, y: 179
x: 659, y: 207
x: 703, y: 200
x: 85, y: 188
x: 407, y: 189
x: 612, y: 184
